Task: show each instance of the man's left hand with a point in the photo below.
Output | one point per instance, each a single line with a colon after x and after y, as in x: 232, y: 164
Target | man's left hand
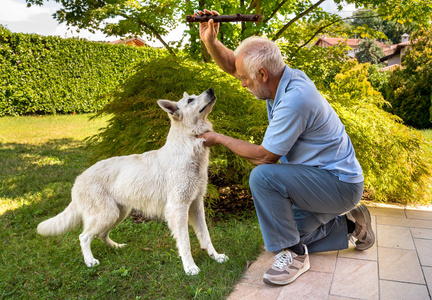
x: 210, y: 138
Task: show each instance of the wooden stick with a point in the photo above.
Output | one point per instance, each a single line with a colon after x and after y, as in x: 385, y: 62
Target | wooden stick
x: 225, y: 18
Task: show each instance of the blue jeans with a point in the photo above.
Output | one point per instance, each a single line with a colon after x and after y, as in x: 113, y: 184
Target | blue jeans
x: 300, y: 203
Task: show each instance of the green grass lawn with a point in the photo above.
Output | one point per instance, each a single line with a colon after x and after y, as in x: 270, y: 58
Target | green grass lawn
x: 40, y: 158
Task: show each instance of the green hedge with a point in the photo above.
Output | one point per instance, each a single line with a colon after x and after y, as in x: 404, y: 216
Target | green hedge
x: 47, y: 75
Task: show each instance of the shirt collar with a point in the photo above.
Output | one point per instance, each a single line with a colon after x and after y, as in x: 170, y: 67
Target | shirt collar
x: 283, y: 84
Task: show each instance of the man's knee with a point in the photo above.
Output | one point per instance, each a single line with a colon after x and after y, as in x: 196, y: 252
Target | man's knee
x: 258, y: 175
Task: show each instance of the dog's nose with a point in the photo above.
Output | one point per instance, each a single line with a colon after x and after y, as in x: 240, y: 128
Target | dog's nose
x: 210, y: 91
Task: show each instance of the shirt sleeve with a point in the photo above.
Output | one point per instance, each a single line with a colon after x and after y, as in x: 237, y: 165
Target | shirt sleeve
x: 286, y: 126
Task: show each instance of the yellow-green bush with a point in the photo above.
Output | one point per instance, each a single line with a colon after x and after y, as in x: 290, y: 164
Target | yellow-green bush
x: 392, y: 155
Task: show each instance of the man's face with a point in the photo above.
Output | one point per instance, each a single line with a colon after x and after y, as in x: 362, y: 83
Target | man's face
x: 257, y: 86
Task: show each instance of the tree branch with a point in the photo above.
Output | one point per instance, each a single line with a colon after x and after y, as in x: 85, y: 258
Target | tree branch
x: 281, y: 31
x: 322, y: 28
x: 225, y: 18
x: 275, y: 11
x: 152, y: 30
x: 157, y: 35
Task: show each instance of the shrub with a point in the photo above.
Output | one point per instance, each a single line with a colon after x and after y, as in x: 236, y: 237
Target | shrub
x: 392, y: 155
x: 409, y: 89
x: 369, y: 52
x: 54, y: 75
x: 138, y: 124
x: 315, y: 62
x: 378, y: 78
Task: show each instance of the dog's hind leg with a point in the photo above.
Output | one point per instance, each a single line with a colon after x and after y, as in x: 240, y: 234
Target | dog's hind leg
x: 104, y: 236
x: 85, y: 241
x: 177, y: 217
x: 197, y: 221
x: 97, y: 222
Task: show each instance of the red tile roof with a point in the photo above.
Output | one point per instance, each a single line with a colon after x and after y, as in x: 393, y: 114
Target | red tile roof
x: 133, y: 41
x: 350, y: 42
x: 335, y: 41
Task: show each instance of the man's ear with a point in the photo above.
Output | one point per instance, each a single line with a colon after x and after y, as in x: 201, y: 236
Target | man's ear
x: 263, y: 74
x: 168, y: 106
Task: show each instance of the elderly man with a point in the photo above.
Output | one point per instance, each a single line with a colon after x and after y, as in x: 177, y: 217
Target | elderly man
x: 299, y: 201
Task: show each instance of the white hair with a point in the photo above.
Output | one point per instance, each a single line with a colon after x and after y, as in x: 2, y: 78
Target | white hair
x: 260, y: 52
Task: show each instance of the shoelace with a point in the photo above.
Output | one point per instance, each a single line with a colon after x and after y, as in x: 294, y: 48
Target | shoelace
x: 283, y: 258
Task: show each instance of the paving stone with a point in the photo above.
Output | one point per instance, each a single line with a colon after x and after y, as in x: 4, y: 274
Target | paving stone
x: 418, y: 214
x: 392, y: 290
x: 415, y: 223
x: 351, y: 274
x: 395, y: 237
x: 424, y: 251
x: 421, y: 233
x: 399, y: 265
x: 310, y: 285
x: 252, y: 292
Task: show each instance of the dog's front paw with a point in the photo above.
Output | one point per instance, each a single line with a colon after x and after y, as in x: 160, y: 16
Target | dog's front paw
x: 194, y: 270
x: 220, y: 258
x: 91, y: 262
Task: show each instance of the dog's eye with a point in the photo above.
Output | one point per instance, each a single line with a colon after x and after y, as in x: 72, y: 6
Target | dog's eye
x: 190, y: 100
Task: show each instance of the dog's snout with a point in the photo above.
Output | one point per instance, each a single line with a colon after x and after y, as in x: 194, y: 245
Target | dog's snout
x: 210, y: 92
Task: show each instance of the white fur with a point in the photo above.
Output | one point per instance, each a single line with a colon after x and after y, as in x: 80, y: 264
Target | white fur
x: 169, y: 182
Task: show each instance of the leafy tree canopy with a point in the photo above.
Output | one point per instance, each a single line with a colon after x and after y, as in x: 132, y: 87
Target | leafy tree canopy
x: 282, y: 19
x: 392, y: 29
x: 409, y: 89
x: 369, y: 52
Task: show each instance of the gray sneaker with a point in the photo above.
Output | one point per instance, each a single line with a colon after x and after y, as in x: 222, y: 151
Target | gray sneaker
x: 363, y: 227
x: 287, y: 267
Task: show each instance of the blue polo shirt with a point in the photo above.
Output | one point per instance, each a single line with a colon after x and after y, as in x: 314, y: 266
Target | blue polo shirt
x: 305, y: 130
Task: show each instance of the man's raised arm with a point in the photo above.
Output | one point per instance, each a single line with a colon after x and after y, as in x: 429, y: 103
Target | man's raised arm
x: 223, y: 56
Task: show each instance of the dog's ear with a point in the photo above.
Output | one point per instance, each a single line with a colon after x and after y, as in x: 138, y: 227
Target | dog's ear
x: 168, y: 106
x: 185, y: 95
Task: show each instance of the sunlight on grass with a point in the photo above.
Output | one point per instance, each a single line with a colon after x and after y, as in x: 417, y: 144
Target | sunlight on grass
x: 40, y: 144
x: 40, y: 129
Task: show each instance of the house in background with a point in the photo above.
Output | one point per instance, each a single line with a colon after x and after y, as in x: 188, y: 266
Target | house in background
x: 131, y: 42
x: 396, y: 52
x: 352, y: 43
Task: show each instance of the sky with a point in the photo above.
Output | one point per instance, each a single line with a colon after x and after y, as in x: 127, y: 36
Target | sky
x: 17, y: 17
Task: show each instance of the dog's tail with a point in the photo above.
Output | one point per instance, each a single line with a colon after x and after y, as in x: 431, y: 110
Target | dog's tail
x: 62, y: 223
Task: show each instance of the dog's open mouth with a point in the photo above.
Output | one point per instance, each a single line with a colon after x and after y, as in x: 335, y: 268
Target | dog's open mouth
x: 208, y: 104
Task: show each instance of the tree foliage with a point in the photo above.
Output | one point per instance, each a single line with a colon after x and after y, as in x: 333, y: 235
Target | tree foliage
x: 315, y: 62
x: 409, y: 89
x: 392, y: 29
x: 393, y: 157
x: 119, y: 17
x: 369, y: 52
x: 297, y: 21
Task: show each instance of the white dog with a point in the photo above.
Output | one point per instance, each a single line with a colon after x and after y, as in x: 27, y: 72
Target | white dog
x: 170, y: 182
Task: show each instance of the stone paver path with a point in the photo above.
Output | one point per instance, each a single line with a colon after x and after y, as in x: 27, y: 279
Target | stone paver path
x: 398, y: 266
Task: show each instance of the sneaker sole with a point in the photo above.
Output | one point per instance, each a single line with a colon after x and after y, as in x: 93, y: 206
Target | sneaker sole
x: 302, y: 271
x: 368, y: 220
